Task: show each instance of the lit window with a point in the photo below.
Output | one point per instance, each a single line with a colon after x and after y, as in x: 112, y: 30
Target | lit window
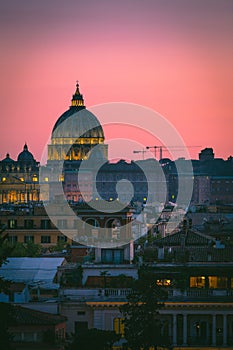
x: 3, y: 179
x: 35, y: 178
x: 22, y: 179
x: 197, y: 282
x: 163, y: 282
x: 46, y: 179
x: 118, y: 325
x: 61, y: 178
x: 12, y: 223
x: 218, y: 282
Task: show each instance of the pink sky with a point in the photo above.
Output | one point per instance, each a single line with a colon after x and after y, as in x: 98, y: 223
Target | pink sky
x: 174, y: 56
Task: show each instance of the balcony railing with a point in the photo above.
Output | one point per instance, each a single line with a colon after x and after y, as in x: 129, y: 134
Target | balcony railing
x: 117, y: 292
x: 200, y: 293
x: 88, y: 294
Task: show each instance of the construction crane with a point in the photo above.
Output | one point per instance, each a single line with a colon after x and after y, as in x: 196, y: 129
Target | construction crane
x: 166, y: 148
x: 143, y: 151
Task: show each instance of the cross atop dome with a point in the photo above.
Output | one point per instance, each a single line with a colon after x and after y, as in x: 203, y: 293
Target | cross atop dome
x: 77, y: 100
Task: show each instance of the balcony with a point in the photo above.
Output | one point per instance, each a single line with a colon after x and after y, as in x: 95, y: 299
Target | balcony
x: 198, y: 293
x: 101, y: 294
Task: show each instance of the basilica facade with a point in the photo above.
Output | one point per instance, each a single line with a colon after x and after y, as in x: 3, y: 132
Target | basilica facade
x: 19, y: 178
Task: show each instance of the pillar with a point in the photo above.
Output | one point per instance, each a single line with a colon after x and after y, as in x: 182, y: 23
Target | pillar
x: 185, y: 329
x: 224, y: 329
x: 174, y: 330
x: 214, y: 330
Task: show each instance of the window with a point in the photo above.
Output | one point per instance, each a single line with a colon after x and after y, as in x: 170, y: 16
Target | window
x: 163, y: 282
x: 115, y: 256
x: 118, y: 325
x: 61, y: 239
x: 45, y: 224
x: 45, y: 239
x: 217, y: 282
x: 62, y: 223
x: 61, y: 178
x: 81, y: 313
x: 197, y: 282
x: 12, y: 239
x: 78, y: 325
x: 60, y: 333
x: 28, y: 239
x: 28, y: 223
x: 12, y: 223
x: 35, y: 178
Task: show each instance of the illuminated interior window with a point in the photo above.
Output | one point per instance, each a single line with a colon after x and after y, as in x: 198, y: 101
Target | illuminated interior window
x: 197, y: 282
x: 218, y: 282
x: 61, y: 178
x: 22, y: 179
x: 163, y: 282
x: 35, y: 178
x: 46, y: 179
x: 3, y: 179
x: 12, y: 223
x: 118, y: 326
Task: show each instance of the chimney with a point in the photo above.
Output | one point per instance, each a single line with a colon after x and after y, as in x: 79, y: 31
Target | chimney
x: 161, y: 253
x: 184, y: 228
x: 163, y: 229
x: 190, y: 223
x: 183, y: 233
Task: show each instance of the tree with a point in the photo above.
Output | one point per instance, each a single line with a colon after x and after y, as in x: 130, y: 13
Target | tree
x: 104, y: 274
x: 90, y: 339
x: 6, y: 319
x: 142, y: 326
x: 29, y: 249
x: 6, y: 310
x: 72, y: 278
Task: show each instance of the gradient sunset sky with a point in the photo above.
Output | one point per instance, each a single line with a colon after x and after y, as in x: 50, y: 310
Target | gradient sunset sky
x: 174, y: 56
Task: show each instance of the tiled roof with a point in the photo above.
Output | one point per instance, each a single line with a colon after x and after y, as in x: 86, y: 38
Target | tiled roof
x: 25, y: 316
x: 39, y: 271
x: 199, y: 254
x: 191, y: 238
x: 211, y: 254
x: 111, y: 281
x: 17, y: 287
